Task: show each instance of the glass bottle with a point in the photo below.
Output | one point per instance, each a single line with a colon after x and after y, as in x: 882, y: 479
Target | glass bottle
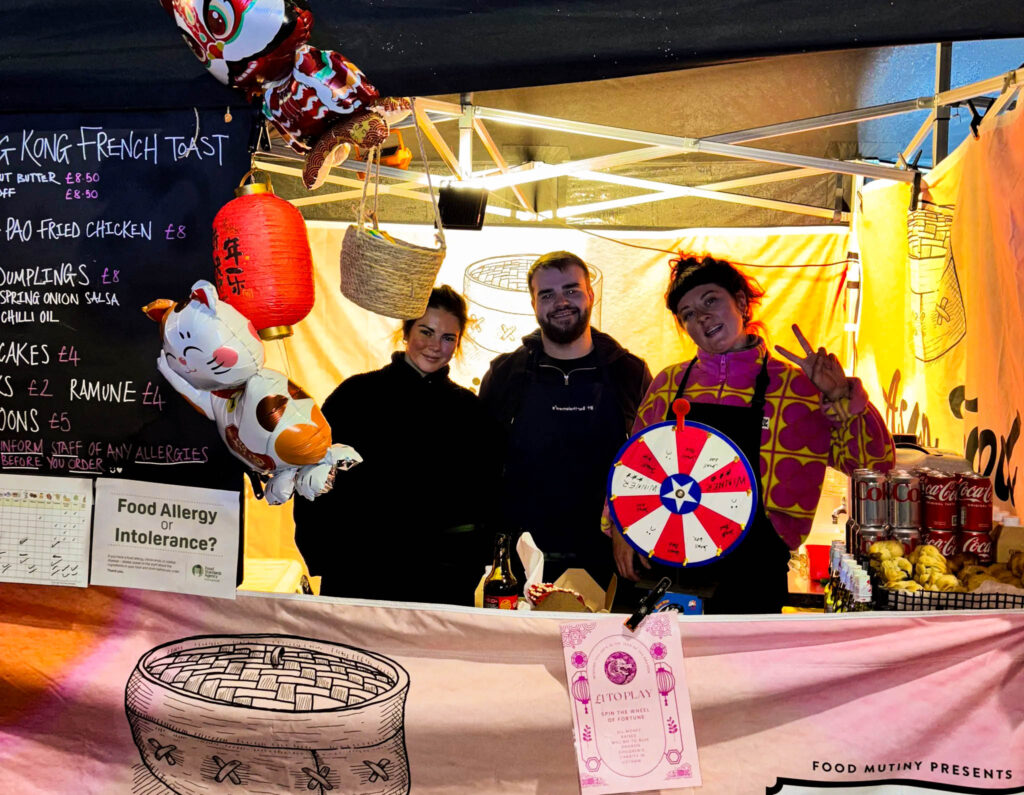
x: 835, y: 553
x: 501, y: 588
x: 862, y: 594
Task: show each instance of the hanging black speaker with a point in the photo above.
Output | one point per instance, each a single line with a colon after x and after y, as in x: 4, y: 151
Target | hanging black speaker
x: 462, y: 208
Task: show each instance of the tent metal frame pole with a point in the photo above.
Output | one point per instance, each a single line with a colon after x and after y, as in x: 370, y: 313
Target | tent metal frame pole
x: 988, y: 86
x: 495, y: 153
x: 943, y: 96
x: 684, y: 145
x: 543, y: 171
x: 654, y: 146
x: 919, y: 136
x: 437, y: 141
x: 466, y: 136
x: 661, y: 192
x: 996, y: 107
x: 821, y: 122
x: 404, y: 191
x: 672, y: 145
x: 943, y: 71
x: 762, y: 179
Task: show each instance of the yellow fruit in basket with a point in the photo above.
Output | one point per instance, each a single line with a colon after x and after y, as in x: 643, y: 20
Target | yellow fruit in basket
x: 1007, y: 577
x: 906, y: 566
x: 924, y: 573
x: 905, y: 585
x: 885, y: 550
x: 946, y: 582
x: 968, y: 571
x: 973, y: 582
x: 1016, y: 563
x: 891, y: 572
x: 960, y: 560
x: 928, y: 555
x: 996, y: 570
x: 933, y: 557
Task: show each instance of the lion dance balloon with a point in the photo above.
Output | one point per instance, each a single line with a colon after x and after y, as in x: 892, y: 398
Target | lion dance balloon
x: 319, y: 101
x: 213, y: 357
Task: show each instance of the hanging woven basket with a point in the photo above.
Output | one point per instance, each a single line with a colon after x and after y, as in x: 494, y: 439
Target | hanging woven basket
x: 382, y: 273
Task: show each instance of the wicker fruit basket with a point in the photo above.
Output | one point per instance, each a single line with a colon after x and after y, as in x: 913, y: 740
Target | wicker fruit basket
x: 270, y: 713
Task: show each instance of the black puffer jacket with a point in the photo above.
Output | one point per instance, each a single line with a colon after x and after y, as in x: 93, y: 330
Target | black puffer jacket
x: 430, y: 464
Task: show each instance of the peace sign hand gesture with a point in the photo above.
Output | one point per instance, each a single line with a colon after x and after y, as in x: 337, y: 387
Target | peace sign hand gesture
x: 821, y: 367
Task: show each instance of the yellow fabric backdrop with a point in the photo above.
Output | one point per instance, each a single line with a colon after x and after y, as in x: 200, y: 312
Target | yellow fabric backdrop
x: 802, y: 270
x: 988, y: 248
x: 910, y: 343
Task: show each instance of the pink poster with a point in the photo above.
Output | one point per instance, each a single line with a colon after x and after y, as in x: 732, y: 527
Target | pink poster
x: 630, y: 707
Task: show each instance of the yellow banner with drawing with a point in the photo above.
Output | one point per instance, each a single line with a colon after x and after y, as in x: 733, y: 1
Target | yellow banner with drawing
x: 803, y: 271
x: 911, y: 339
x: 988, y: 248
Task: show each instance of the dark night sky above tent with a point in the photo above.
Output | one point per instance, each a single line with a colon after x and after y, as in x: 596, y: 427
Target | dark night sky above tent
x: 73, y: 55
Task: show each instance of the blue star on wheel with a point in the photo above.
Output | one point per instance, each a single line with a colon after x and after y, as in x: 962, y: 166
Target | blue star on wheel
x: 680, y: 493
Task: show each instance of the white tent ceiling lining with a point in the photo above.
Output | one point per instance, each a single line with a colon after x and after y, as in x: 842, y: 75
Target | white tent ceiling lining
x: 473, y: 119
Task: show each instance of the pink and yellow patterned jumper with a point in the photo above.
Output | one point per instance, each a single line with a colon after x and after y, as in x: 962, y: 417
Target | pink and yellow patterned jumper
x: 804, y: 433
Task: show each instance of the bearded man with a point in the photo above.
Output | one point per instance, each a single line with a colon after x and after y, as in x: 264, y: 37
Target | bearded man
x: 566, y: 398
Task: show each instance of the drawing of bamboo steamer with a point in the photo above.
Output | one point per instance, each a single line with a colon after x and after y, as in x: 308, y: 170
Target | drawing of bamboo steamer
x: 270, y: 713
x: 937, y: 301
x: 499, y: 301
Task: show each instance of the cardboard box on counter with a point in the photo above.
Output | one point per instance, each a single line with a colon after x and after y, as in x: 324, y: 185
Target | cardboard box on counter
x: 596, y: 598
x: 1007, y: 539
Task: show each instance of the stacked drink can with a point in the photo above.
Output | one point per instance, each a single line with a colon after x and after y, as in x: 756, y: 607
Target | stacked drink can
x: 949, y: 511
x: 869, y: 514
x: 905, y: 507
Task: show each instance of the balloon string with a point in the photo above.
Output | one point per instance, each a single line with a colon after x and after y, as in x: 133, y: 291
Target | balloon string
x: 195, y: 135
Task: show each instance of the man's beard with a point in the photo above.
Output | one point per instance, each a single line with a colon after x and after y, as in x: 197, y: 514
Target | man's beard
x: 563, y: 335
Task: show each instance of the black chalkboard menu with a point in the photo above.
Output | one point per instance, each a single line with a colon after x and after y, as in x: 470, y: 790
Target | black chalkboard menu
x: 100, y: 214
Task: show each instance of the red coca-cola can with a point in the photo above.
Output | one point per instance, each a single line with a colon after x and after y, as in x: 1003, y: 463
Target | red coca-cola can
x: 975, y: 495
x: 904, y: 499
x: 866, y: 536
x: 869, y: 494
x: 939, y: 501
x: 978, y: 543
x: 910, y: 537
x: 942, y: 539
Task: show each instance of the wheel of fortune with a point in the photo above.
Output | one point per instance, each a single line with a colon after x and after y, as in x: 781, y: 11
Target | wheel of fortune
x: 682, y: 494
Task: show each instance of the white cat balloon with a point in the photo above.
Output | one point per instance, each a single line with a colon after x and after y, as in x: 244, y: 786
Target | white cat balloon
x: 214, y: 358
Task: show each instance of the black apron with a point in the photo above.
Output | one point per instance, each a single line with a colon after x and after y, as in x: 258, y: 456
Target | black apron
x: 752, y: 578
x: 561, y: 444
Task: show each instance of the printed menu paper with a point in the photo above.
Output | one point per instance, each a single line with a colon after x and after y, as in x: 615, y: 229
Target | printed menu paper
x: 44, y: 529
x: 165, y: 538
x: 630, y: 706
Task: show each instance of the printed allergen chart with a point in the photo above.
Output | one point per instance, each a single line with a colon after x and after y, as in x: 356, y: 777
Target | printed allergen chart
x: 45, y: 529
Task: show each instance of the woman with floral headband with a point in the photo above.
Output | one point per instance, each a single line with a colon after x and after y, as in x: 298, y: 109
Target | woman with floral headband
x: 791, y: 418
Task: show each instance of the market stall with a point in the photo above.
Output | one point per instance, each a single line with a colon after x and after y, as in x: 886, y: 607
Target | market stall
x: 160, y: 677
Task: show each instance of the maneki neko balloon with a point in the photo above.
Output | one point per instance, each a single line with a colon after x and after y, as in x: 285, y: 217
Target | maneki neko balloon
x: 213, y: 357
x: 319, y: 101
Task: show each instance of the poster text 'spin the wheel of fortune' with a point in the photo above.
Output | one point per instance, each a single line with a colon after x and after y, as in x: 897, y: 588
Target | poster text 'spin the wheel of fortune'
x: 682, y: 493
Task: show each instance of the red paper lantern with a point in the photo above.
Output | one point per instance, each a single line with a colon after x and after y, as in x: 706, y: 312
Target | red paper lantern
x: 263, y: 265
